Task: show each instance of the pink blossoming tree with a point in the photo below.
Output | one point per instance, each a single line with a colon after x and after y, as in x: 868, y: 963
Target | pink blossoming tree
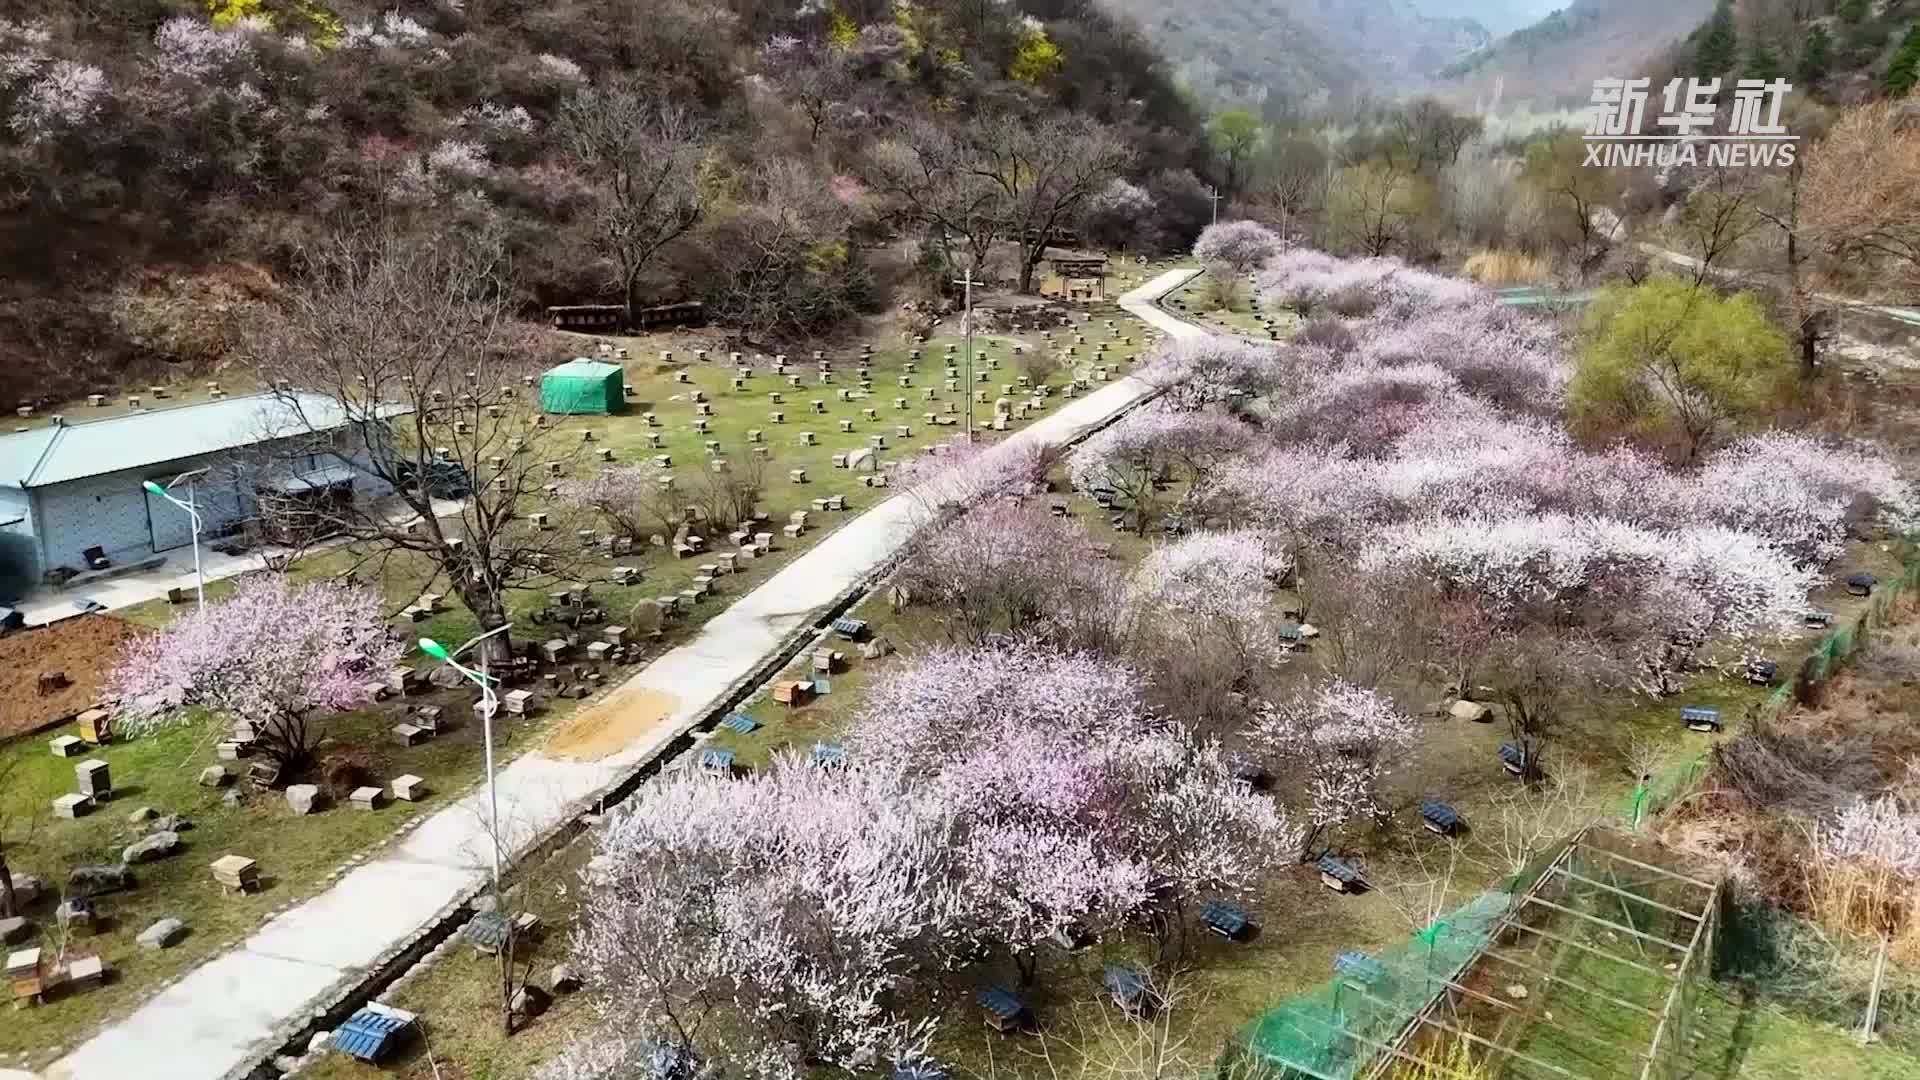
x: 1238, y: 246
x: 273, y: 655
x: 1004, y: 567
x: 1342, y: 741
x: 794, y: 908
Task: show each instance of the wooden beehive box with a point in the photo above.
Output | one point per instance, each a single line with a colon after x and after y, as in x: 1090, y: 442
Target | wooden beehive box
x: 792, y: 692
x: 23, y: 973
x: 96, y: 726
x: 236, y: 872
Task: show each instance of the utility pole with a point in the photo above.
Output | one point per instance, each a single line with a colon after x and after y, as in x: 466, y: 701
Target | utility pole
x: 966, y: 322
x: 1213, y: 196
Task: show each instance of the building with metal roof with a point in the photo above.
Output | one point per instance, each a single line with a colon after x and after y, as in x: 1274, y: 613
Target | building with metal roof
x: 68, y: 487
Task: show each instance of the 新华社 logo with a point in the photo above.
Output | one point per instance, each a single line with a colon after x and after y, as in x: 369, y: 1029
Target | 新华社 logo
x: 1684, y: 126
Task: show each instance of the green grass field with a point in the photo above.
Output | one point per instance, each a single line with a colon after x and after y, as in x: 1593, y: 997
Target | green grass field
x: 1199, y: 300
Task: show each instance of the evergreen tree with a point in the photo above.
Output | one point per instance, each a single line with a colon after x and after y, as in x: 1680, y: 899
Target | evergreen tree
x: 1905, y: 69
x: 1816, y: 56
x: 1852, y: 11
x: 1763, y: 63
x: 1718, y: 45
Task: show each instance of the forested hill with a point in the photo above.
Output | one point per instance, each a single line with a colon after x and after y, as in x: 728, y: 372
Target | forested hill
x: 164, y: 162
x: 1553, y: 62
x: 1843, y: 51
x: 1290, y: 53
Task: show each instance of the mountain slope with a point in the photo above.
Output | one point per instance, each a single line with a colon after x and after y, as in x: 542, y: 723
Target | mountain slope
x: 1498, y: 16
x: 1553, y: 62
x: 1241, y: 51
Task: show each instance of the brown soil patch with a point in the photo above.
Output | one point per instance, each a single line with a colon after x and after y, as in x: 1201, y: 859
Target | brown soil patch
x: 86, y: 647
x: 611, y: 724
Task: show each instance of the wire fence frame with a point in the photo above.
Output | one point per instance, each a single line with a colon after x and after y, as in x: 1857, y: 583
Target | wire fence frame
x: 1663, y: 1056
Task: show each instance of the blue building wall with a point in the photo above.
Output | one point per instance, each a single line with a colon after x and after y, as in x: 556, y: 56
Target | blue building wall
x: 19, y: 553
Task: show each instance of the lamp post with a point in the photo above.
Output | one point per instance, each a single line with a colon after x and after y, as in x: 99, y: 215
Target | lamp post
x: 966, y: 321
x: 193, y: 512
x: 489, y: 701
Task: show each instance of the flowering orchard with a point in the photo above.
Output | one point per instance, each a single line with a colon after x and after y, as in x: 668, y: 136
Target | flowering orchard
x: 1081, y: 758
x: 996, y: 799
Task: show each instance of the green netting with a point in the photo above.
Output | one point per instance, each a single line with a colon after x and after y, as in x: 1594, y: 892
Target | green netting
x: 1334, y: 1030
x: 1825, y: 661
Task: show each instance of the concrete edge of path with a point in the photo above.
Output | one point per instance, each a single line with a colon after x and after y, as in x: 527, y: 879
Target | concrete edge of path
x: 362, y: 982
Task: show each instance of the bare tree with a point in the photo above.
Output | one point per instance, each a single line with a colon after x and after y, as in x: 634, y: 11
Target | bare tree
x: 1044, y: 170
x: 767, y: 266
x: 1718, y: 214
x: 1367, y: 206
x: 1291, y: 176
x: 727, y: 495
x: 645, y: 156
x: 924, y: 168
x: 406, y: 338
x: 1577, y: 196
x: 812, y: 78
x: 1780, y: 204
x: 1861, y: 203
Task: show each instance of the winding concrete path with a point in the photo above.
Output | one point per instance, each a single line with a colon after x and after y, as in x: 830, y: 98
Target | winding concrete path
x: 231, y: 1010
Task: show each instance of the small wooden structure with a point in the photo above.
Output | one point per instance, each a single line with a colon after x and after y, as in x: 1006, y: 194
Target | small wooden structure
x: 1005, y: 1012
x: 1355, y: 966
x: 793, y: 693
x: 236, y: 873
x: 1082, y: 277
x: 826, y: 753
x: 1762, y: 672
x: 1230, y: 921
x: 372, y: 1033
x: 1340, y: 876
x: 1515, y: 760
x: 850, y: 629
x: 1861, y: 584
x: 1127, y: 986
x: 1700, y: 718
x: 717, y: 762
x: 96, y: 726
x: 1439, y: 818
x: 24, y: 975
x: 740, y: 724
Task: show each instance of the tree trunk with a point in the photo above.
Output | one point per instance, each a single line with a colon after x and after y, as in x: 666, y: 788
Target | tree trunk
x: 1027, y: 265
x: 491, y: 613
x: 1028, y: 964
x: 629, y: 285
x: 506, y: 983
x: 6, y: 888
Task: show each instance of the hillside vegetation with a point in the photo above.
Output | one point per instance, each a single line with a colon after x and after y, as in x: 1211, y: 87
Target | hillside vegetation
x: 167, y: 165
x: 1289, y: 54
x: 1554, y: 61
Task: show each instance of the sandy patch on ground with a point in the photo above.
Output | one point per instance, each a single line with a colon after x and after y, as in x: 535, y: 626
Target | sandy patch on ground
x: 611, y: 724
x: 85, y: 647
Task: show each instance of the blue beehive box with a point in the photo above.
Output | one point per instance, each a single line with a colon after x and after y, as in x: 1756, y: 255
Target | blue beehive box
x: 1699, y: 718
x: 1439, y: 817
x: 372, y: 1033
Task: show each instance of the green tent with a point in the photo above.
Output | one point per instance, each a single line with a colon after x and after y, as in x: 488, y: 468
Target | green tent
x: 583, y: 386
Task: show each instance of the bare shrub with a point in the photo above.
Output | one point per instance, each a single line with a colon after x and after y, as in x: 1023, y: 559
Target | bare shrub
x: 1327, y: 333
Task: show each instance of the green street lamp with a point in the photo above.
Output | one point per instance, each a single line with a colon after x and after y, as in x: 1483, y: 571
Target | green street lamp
x: 489, y: 701
x: 193, y: 512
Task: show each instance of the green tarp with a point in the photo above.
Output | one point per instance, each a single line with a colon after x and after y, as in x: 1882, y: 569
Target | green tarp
x: 583, y: 386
